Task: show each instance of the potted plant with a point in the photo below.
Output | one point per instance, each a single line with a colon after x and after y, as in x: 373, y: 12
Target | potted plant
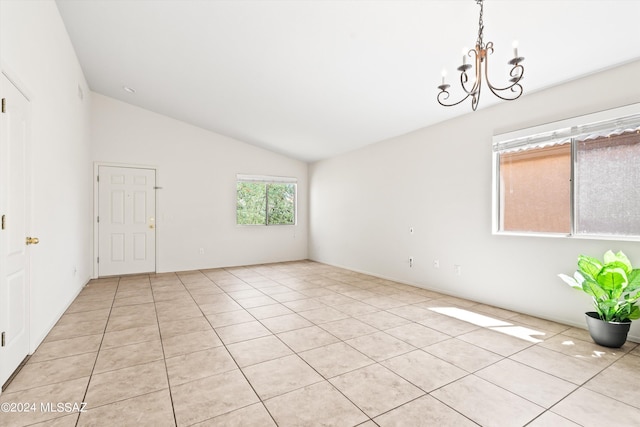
x: 614, y: 286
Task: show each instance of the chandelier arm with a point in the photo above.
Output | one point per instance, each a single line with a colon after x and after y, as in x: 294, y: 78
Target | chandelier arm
x: 514, y: 82
x: 475, y: 99
x: 514, y: 88
x: 464, y: 78
x: 447, y: 97
x: 444, y: 94
x: 517, y: 72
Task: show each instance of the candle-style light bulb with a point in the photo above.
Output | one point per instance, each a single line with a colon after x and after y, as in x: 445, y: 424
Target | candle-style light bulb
x: 515, y: 48
x: 464, y: 55
x: 444, y: 74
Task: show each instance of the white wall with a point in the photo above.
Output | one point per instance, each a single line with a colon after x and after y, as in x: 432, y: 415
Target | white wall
x: 35, y: 51
x: 197, y: 172
x: 438, y: 180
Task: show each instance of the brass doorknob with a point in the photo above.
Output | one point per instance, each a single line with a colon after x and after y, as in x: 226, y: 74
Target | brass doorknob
x: 32, y: 240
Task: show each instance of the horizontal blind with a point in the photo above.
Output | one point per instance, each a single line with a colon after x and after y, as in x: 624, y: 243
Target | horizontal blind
x: 617, y: 126
x: 266, y: 178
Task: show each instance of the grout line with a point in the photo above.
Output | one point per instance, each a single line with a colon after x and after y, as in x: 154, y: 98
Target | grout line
x: 324, y: 379
x: 229, y: 353
x: 164, y: 357
x: 104, y: 331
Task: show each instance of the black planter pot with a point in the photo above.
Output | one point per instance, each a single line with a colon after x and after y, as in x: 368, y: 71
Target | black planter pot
x: 607, y: 334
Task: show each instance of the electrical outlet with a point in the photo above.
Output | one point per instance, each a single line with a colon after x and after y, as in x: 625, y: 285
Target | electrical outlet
x: 201, y: 251
x: 458, y: 269
x: 410, y: 230
x: 410, y: 261
x: 436, y: 263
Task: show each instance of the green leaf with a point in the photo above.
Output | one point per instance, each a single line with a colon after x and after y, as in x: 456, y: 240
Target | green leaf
x: 609, y: 256
x: 620, y: 257
x: 613, y: 280
x: 570, y: 281
x: 635, y: 313
x: 634, y: 280
x: 606, y: 310
x: 589, y: 266
x: 631, y: 299
x: 618, y: 264
x: 592, y: 288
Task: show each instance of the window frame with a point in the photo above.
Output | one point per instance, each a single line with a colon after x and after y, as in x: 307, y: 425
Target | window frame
x: 269, y: 180
x: 568, y: 129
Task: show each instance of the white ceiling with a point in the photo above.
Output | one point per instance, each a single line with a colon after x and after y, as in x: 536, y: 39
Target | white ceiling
x: 313, y: 79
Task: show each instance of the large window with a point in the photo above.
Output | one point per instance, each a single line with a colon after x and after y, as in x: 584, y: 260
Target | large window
x: 263, y: 200
x: 535, y: 189
x: 577, y: 180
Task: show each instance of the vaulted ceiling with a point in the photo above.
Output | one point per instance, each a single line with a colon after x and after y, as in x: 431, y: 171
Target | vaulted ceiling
x: 312, y: 79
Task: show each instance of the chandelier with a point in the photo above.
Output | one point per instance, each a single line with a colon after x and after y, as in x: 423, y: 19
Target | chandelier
x: 480, y: 55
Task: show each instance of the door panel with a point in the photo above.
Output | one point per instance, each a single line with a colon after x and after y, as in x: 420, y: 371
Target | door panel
x: 17, y: 299
x: 126, y: 227
x: 14, y: 206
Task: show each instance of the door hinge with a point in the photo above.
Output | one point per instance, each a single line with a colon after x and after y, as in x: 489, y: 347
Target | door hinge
x: 3, y: 339
x: 98, y: 260
x: 98, y: 219
x: 97, y: 178
x: 4, y: 105
x: 4, y: 217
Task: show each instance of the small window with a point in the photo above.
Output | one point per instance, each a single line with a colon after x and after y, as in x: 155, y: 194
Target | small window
x: 265, y: 200
x: 535, y: 187
x: 580, y: 179
x: 608, y: 185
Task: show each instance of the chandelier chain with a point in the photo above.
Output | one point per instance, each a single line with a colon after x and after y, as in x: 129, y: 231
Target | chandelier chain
x: 479, y: 42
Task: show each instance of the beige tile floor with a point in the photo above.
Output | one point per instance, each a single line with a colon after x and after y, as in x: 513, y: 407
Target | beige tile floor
x: 306, y: 344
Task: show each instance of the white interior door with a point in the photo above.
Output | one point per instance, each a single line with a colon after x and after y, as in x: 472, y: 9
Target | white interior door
x: 126, y: 220
x: 14, y: 209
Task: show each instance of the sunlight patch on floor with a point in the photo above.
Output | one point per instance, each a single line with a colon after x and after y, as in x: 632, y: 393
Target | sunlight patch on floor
x: 594, y: 354
x: 501, y: 326
x: 469, y: 316
x: 521, y: 332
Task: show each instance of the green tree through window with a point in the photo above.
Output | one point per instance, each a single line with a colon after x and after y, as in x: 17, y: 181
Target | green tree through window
x: 280, y: 204
x: 265, y: 203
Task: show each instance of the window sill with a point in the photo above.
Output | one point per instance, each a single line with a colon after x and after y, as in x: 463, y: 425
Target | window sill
x: 569, y: 236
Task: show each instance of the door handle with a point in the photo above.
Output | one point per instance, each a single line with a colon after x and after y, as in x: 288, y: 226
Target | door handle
x: 32, y: 240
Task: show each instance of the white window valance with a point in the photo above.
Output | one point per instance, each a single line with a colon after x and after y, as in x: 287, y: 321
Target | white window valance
x: 582, y: 128
x: 266, y: 178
